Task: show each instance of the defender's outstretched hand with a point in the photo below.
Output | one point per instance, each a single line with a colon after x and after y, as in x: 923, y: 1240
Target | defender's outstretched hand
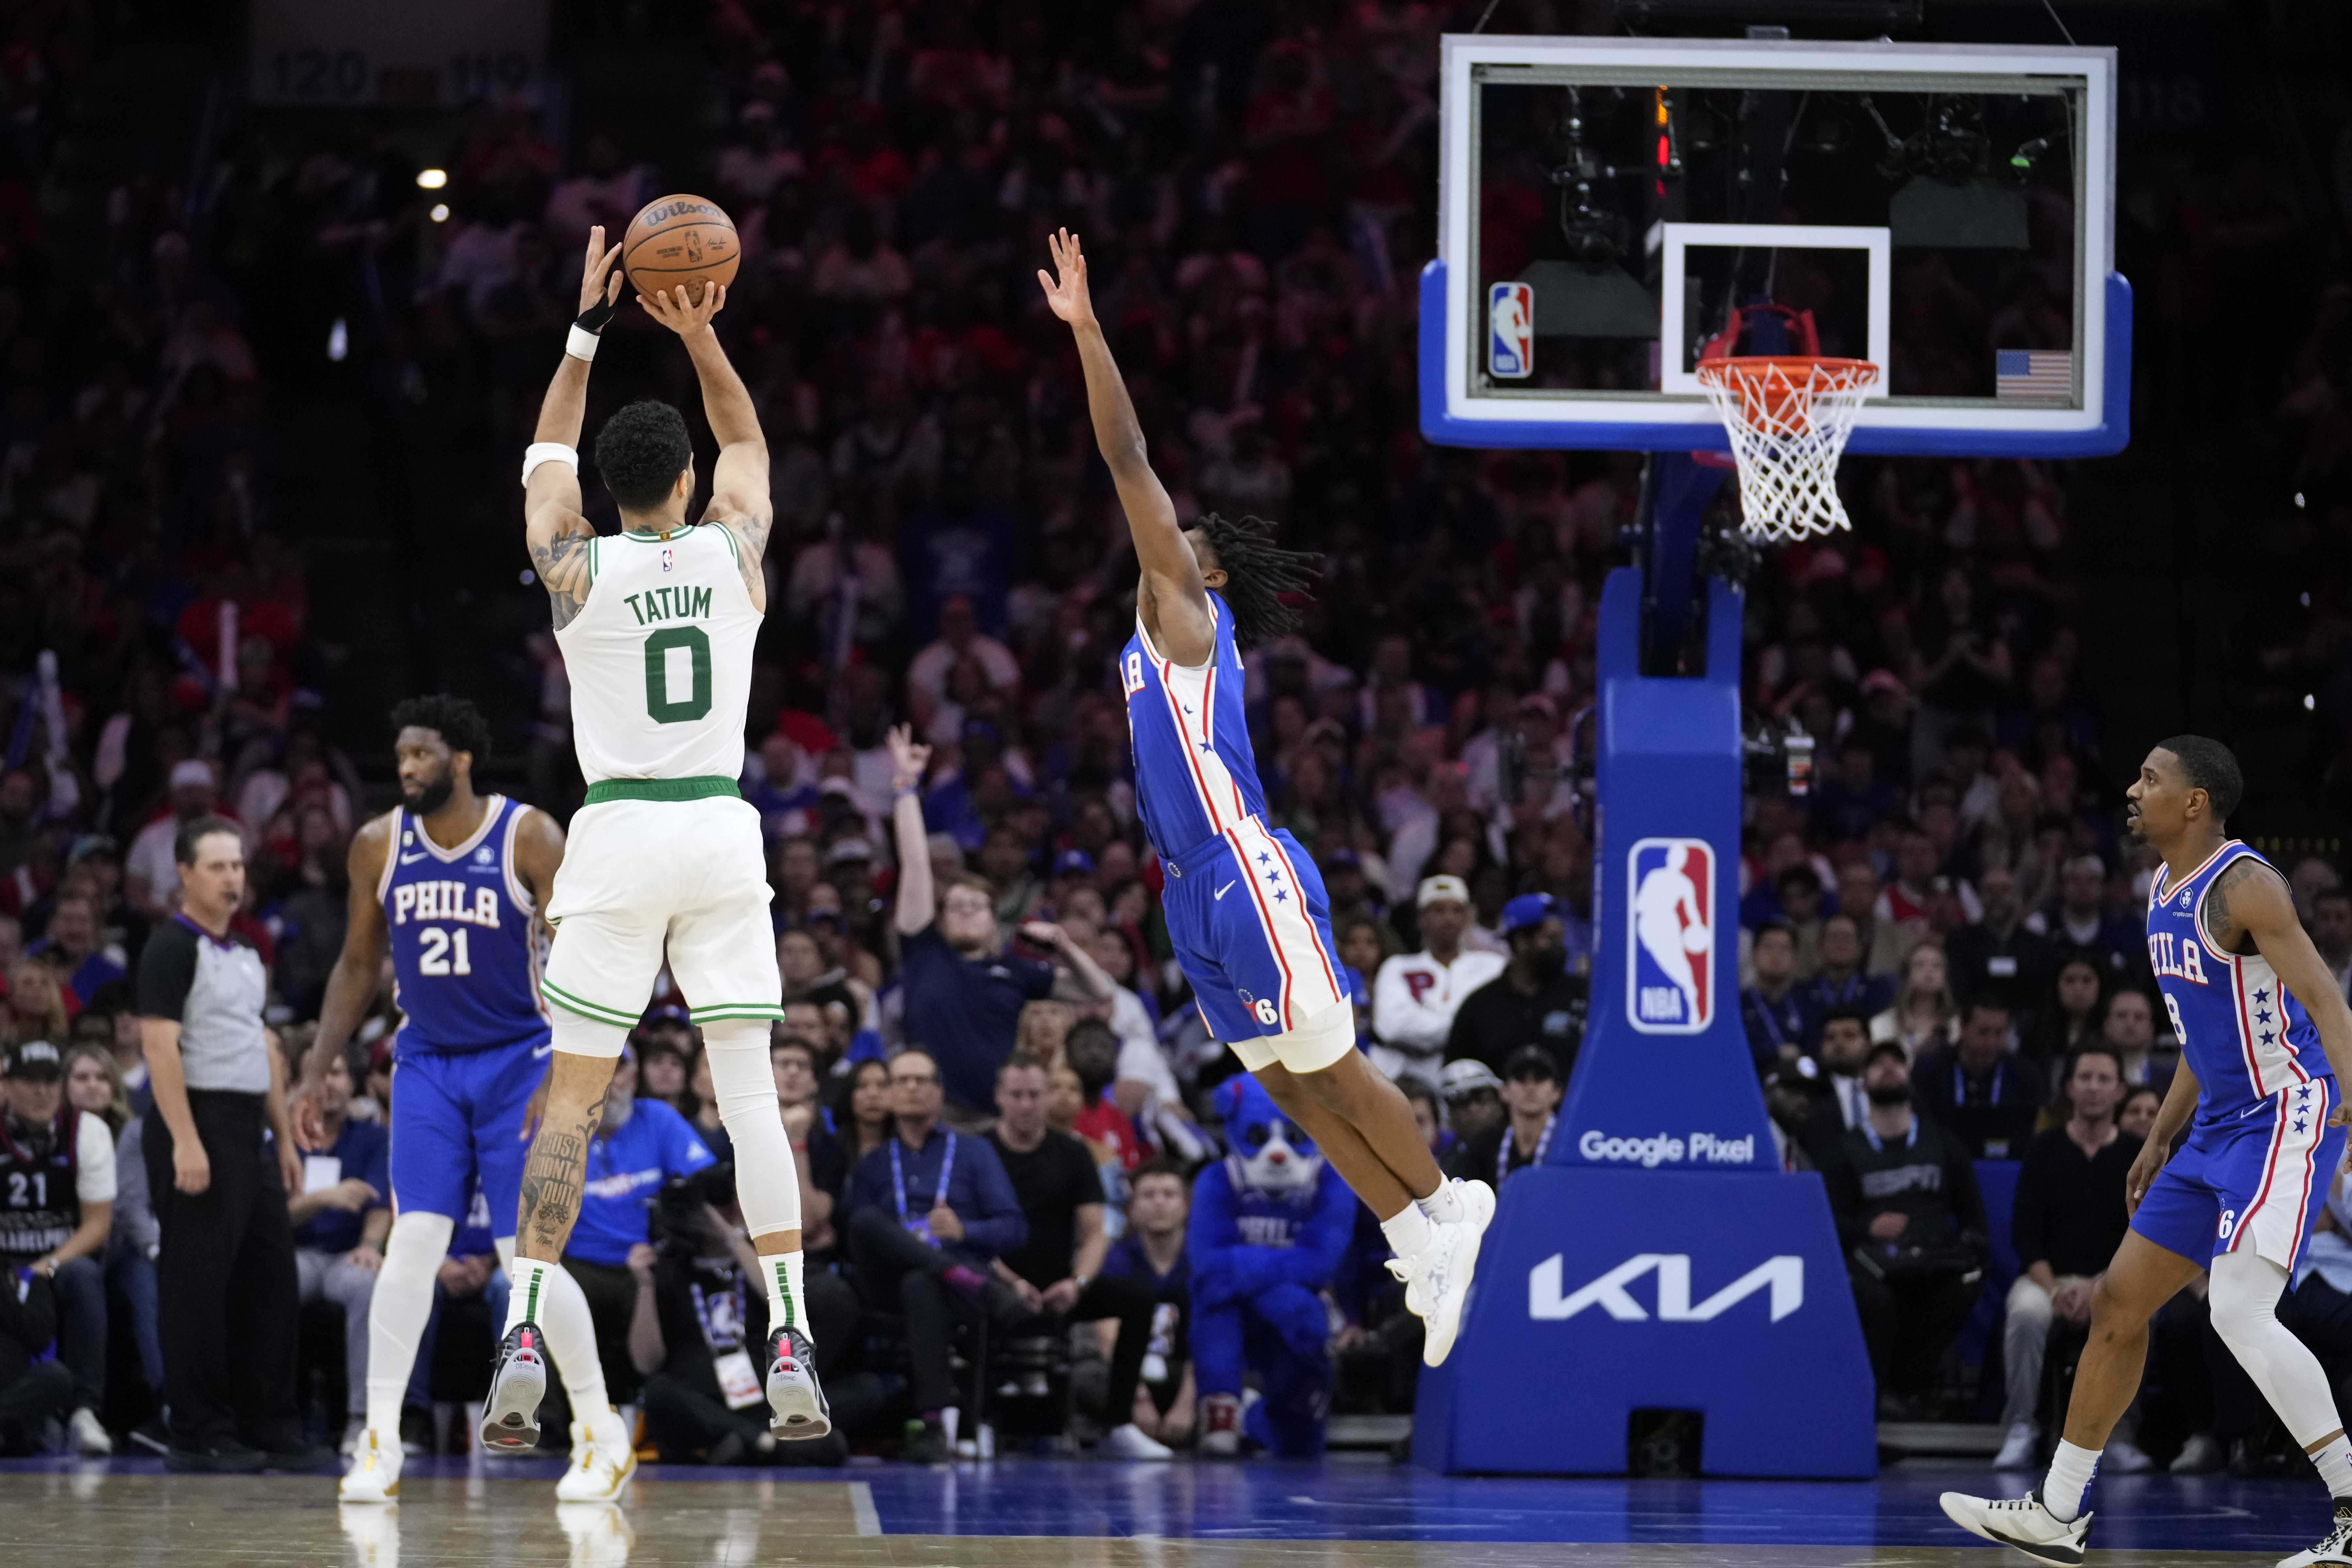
x: 680, y: 315
x: 1068, y: 294
x: 600, y: 281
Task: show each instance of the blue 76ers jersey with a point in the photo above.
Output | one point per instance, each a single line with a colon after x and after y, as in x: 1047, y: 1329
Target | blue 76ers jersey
x: 2243, y: 1037
x: 465, y: 950
x: 1195, y: 776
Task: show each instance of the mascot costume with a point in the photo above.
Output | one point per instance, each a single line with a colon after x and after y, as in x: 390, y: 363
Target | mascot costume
x: 1270, y: 1227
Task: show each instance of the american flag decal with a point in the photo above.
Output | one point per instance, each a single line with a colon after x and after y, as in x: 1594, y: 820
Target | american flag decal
x: 2034, y: 373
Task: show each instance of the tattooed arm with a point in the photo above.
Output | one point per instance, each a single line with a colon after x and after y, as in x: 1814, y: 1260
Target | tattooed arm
x: 553, y: 528
x: 2249, y: 910
x: 739, y: 479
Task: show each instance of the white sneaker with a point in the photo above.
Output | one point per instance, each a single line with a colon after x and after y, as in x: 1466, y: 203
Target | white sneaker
x: 374, y: 1475
x: 2200, y: 1455
x: 2125, y: 1459
x: 2022, y: 1523
x: 598, y: 1533
x: 603, y: 1459
x: 89, y: 1438
x: 2017, y: 1448
x: 1440, y: 1277
x: 2336, y: 1547
x: 1128, y: 1442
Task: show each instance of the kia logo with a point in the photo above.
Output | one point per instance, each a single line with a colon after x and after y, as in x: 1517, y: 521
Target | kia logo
x: 1784, y: 1277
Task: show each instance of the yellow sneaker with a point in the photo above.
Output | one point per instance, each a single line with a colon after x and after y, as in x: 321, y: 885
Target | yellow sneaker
x: 374, y: 1475
x: 603, y: 1460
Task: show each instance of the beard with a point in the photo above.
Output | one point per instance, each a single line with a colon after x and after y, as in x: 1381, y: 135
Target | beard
x: 431, y: 798
x: 1891, y: 1094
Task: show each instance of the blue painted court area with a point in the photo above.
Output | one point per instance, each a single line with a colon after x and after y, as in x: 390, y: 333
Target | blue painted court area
x: 1371, y: 1501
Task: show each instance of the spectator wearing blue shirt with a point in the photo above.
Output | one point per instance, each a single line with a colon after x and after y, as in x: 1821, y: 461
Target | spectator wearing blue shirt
x: 339, y: 1222
x: 963, y: 993
x: 929, y: 1212
x: 75, y: 945
x: 641, y: 1146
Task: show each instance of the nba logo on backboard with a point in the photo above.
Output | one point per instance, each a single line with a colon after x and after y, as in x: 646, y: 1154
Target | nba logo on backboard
x: 1511, y: 331
x: 1670, y: 957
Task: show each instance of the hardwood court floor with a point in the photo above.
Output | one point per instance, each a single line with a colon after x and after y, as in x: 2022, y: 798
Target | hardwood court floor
x: 1025, y: 1514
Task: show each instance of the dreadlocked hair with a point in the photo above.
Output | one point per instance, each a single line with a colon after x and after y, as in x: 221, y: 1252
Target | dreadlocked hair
x: 1258, y: 571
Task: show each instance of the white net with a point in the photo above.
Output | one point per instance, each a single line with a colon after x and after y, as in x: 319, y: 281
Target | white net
x: 1788, y: 419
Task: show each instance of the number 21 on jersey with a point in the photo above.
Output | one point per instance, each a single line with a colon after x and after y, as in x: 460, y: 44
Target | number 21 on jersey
x: 442, y: 951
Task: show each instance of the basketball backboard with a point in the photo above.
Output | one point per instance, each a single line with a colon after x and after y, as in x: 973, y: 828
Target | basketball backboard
x: 1609, y: 208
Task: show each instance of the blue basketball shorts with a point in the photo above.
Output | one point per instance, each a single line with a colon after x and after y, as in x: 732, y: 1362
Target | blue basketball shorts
x: 2256, y: 1180
x: 456, y: 1114
x: 1252, y: 929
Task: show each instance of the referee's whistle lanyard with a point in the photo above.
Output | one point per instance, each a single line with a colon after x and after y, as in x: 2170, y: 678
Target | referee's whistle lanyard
x: 918, y: 1225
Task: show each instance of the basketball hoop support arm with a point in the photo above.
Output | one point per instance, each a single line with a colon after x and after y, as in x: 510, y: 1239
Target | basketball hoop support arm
x: 1676, y: 490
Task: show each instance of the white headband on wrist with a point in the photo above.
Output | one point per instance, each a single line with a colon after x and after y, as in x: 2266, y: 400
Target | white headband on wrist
x: 581, y: 343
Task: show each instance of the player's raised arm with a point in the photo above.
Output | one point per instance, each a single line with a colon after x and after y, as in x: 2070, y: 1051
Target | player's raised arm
x: 2250, y: 899
x: 738, y: 482
x: 554, y: 529
x: 1177, y: 603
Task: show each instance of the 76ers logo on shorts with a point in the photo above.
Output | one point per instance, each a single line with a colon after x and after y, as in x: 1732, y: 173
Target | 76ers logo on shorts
x: 1670, y: 945
x: 1511, y: 331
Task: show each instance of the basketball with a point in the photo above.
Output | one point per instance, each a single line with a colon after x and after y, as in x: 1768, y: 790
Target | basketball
x: 677, y: 241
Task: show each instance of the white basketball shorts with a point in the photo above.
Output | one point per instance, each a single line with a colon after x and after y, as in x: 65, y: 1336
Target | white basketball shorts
x: 644, y: 878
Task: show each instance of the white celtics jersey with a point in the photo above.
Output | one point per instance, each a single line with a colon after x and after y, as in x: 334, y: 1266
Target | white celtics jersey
x: 660, y: 657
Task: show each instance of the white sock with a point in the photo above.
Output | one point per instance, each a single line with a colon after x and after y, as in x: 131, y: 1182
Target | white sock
x: 787, y: 1301
x: 528, y: 1304
x: 2334, y: 1462
x: 1408, y: 1231
x: 1444, y: 1204
x: 399, y: 1309
x: 2068, y: 1486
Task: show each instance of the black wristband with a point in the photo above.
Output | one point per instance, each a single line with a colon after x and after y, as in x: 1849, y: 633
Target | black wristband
x: 596, y: 317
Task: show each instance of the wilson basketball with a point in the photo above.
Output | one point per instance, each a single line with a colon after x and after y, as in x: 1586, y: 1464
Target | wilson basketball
x: 680, y: 240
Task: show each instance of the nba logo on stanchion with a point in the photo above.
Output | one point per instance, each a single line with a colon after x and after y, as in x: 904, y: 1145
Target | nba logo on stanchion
x: 1670, y: 956
x: 1511, y: 331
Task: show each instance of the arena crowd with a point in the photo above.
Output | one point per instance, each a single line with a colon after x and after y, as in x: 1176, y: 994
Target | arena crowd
x: 1942, y: 937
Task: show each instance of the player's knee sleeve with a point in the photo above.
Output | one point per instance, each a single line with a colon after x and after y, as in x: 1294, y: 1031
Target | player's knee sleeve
x: 578, y: 1036
x: 400, y: 1307
x: 767, y: 1185
x: 2243, y: 1302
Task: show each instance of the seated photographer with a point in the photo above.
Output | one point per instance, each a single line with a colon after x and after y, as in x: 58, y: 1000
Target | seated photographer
x: 641, y: 1146
x: 694, y: 1328
x: 1152, y: 1252
x: 2070, y: 1217
x: 1058, y: 1270
x: 929, y: 1213
x: 1912, y: 1223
